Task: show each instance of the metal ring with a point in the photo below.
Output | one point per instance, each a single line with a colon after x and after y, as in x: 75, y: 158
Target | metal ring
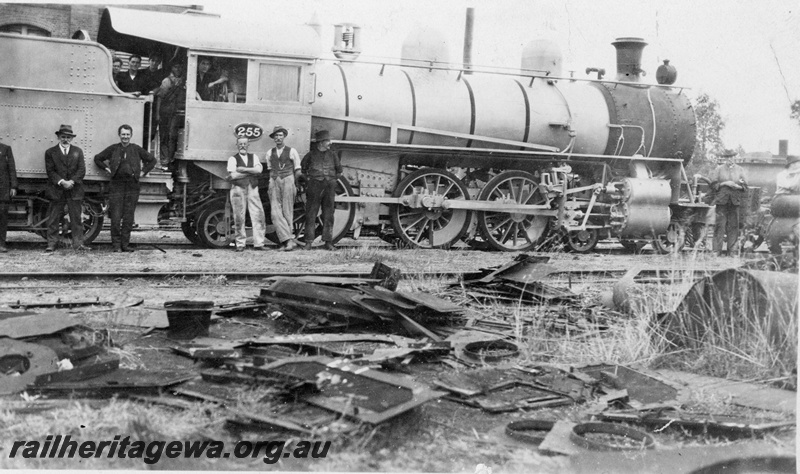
x: 646, y: 441
x: 523, y: 430
x: 476, y: 350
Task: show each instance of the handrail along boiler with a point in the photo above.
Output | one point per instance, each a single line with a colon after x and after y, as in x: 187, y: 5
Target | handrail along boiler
x: 431, y: 155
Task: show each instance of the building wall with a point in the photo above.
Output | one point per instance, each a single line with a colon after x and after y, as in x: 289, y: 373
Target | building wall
x: 61, y: 21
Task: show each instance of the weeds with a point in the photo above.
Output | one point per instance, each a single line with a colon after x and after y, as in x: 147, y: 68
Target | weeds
x: 350, y: 255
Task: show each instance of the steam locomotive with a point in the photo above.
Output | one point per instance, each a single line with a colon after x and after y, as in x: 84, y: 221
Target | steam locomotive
x: 432, y: 155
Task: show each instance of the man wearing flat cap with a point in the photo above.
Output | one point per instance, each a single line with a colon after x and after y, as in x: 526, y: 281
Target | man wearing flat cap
x: 65, y: 171
x: 283, y: 164
x: 322, y: 168
x: 730, y: 186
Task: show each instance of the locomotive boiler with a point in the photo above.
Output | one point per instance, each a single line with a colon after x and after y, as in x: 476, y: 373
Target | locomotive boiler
x: 432, y: 155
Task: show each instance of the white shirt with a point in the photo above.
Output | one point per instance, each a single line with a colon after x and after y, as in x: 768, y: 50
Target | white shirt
x: 232, y: 166
x: 64, y: 149
x: 292, y: 155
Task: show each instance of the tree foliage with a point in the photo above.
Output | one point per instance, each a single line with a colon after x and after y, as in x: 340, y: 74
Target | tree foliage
x: 796, y: 111
x: 710, y: 125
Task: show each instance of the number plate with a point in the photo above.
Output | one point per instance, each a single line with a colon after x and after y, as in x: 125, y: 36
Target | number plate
x: 248, y: 130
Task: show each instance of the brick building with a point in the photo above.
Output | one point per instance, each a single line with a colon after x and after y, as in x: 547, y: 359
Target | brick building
x: 63, y: 20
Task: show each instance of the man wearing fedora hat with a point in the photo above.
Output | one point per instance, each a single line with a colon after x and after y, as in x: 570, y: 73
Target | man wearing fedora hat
x: 65, y: 171
x: 730, y: 187
x: 788, y: 180
x: 8, y: 189
x: 283, y: 164
x: 322, y: 168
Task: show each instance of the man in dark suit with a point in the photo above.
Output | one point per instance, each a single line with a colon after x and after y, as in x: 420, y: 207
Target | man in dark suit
x: 65, y: 171
x: 123, y: 162
x: 8, y: 189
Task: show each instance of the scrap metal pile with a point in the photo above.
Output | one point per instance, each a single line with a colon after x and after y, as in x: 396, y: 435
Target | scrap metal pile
x: 355, y: 356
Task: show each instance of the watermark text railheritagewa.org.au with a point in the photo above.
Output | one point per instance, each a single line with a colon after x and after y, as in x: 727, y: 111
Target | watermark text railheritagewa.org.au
x: 58, y: 447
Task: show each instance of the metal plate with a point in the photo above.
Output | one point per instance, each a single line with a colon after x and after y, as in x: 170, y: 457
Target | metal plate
x: 642, y: 387
x: 36, y: 324
x: 368, y: 395
x: 323, y: 299
x: 90, y: 370
x: 21, y: 362
x: 122, y: 380
x: 432, y: 302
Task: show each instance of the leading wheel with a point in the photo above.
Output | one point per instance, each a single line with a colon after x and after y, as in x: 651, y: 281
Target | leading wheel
x: 506, y: 231
x: 582, y: 241
x: 672, y: 241
x: 343, y: 215
x: 214, y: 228
x: 430, y: 227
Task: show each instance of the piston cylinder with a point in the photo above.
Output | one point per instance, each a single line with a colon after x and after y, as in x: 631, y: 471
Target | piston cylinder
x: 643, y: 209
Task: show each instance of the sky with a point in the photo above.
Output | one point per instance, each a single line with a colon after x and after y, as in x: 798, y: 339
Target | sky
x: 743, y: 53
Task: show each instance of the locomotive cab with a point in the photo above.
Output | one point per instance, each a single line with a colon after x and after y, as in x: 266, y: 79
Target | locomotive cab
x: 255, y: 82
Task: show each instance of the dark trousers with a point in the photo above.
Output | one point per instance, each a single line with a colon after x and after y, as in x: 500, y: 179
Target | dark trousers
x: 168, y: 136
x: 122, y: 199
x: 3, y: 222
x: 56, y: 214
x: 320, y: 192
x: 727, y: 224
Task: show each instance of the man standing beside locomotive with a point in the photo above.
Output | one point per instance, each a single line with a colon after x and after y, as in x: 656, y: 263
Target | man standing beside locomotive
x: 171, y: 107
x: 283, y: 164
x: 322, y: 168
x: 65, y: 171
x: 730, y: 187
x: 243, y: 171
x: 123, y: 162
x: 8, y: 189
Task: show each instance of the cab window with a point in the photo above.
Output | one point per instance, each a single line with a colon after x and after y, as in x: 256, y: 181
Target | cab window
x: 221, y: 79
x: 279, y: 82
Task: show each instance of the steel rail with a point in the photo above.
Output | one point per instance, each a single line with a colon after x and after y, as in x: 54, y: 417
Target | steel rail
x: 645, y: 275
x: 231, y: 275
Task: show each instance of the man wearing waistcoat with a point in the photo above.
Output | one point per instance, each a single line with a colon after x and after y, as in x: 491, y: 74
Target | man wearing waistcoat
x: 283, y: 164
x: 243, y: 171
x: 123, y: 163
x: 322, y: 168
x: 65, y: 171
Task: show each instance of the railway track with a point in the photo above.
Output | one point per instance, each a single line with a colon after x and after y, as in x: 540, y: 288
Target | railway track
x: 561, y: 276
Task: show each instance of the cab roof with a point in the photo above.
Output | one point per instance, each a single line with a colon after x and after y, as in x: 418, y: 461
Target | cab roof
x: 140, y: 31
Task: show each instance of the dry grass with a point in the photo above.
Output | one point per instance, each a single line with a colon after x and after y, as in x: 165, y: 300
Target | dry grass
x: 364, y: 253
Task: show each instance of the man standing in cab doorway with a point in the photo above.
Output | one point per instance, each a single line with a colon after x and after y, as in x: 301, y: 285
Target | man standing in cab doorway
x: 730, y: 187
x: 283, y: 164
x: 123, y: 163
x: 322, y: 168
x: 8, y: 189
x: 65, y: 171
x: 243, y: 171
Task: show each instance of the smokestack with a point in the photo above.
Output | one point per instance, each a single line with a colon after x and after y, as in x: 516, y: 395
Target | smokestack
x: 468, y: 40
x: 629, y: 59
x: 783, y: 147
